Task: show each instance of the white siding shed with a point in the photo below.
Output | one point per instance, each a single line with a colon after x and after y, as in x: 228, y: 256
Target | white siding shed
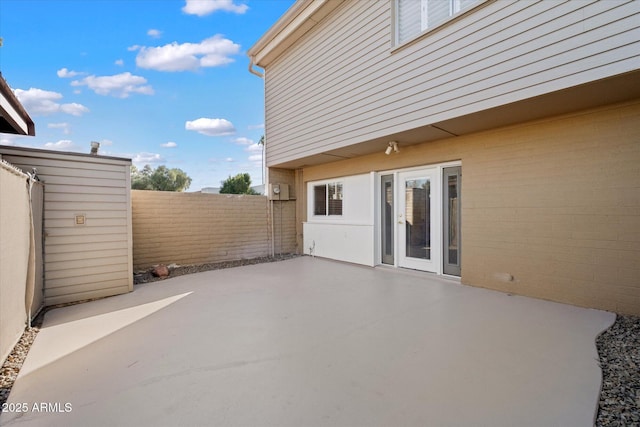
x: 87, y: 222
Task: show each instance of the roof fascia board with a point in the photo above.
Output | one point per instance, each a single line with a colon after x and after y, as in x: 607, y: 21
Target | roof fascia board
x: 9, y: 150
x: 13, y: 111
x: 11, y: 115
x: 299, y: 19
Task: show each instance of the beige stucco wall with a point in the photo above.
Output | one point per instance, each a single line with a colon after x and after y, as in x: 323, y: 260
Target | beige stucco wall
x: 15, y: 226
x: 196, y: 228
x: 550, y: 209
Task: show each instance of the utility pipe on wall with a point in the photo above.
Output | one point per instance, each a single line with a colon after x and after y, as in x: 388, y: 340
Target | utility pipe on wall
x: 273, y: 230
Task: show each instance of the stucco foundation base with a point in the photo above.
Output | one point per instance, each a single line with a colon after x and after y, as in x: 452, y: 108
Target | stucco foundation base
x: 313, y: 342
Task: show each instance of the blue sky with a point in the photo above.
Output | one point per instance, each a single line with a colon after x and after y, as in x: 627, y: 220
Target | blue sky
x: 157, y: 81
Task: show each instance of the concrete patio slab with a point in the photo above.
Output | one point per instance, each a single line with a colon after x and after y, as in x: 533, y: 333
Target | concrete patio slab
x: 310, y: 342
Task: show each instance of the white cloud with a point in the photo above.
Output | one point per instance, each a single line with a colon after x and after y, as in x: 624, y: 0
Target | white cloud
x: 255, y: 154
x: 7, y: 139
x: 154, y: 33
x: 134, y: 47
x: 106, y: 142
x: 260, y: 126
x: 254, y: 148
x: 229, y: 159
x: 169, y: 144
x: 211, y: 52
x: 62, y: 145
x: 146, y: 158
x: 119, y: 62
x: 64, y: 126
x: 205, y: 7
x: 17, y: 140
x: 211, y: 127
x: 119, y: 85
x: 74, y: 109
x: 43, y: 102
x: 64, y: 73
x: 243, y: 141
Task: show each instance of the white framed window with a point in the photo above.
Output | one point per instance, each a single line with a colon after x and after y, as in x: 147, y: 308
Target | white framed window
x: 416, y: 16
x: 327, y: 199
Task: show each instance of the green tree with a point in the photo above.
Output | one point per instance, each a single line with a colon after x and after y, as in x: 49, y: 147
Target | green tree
x: 239, y: 184
x: 159, y: 179
x: 140, y: 178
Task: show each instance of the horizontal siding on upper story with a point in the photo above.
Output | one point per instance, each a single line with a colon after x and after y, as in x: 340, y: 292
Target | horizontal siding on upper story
x: 344, y: 83
x: 91, y: 260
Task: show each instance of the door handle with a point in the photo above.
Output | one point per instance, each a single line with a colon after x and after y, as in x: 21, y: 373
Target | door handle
x: 400, y: 222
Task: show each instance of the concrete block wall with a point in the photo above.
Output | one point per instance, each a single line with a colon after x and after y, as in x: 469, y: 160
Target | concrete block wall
x: 197, y: 228
x: 552, y: 210
x: 284, y: 213
x: 284, y: 231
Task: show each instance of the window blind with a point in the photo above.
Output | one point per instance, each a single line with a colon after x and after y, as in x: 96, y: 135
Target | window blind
x: 415, y: 16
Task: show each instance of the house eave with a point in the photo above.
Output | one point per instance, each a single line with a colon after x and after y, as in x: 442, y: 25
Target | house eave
x: 302, y: 16
x: 619, y: 89
x: 13, y: 117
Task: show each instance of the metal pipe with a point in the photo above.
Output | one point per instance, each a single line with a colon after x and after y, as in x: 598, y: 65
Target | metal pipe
x: 273, y: 230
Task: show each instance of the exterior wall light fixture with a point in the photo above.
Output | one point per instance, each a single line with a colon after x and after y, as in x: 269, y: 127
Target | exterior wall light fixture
x: 393, y: 146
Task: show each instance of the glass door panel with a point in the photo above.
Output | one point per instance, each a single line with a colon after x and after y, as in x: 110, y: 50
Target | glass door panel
x: 418, y: 218
x: 418, y: 224
x: 451, y: 179
x: 387, y: 213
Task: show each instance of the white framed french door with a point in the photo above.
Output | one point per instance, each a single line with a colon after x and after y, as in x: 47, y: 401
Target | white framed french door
x: 418, y: 224
x: 419, y: 218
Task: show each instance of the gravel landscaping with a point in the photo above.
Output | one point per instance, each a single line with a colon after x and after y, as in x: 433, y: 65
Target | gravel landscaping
x: 12, y: 365
x: 618, y: 348
x: 177, y: 270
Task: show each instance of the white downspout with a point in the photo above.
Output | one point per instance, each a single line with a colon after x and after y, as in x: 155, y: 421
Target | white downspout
x: 273, y: 231
x: 252, y: 71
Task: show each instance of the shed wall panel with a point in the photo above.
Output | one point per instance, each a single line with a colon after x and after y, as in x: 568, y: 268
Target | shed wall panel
x: 90, y: 260
x: 91, y: 246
